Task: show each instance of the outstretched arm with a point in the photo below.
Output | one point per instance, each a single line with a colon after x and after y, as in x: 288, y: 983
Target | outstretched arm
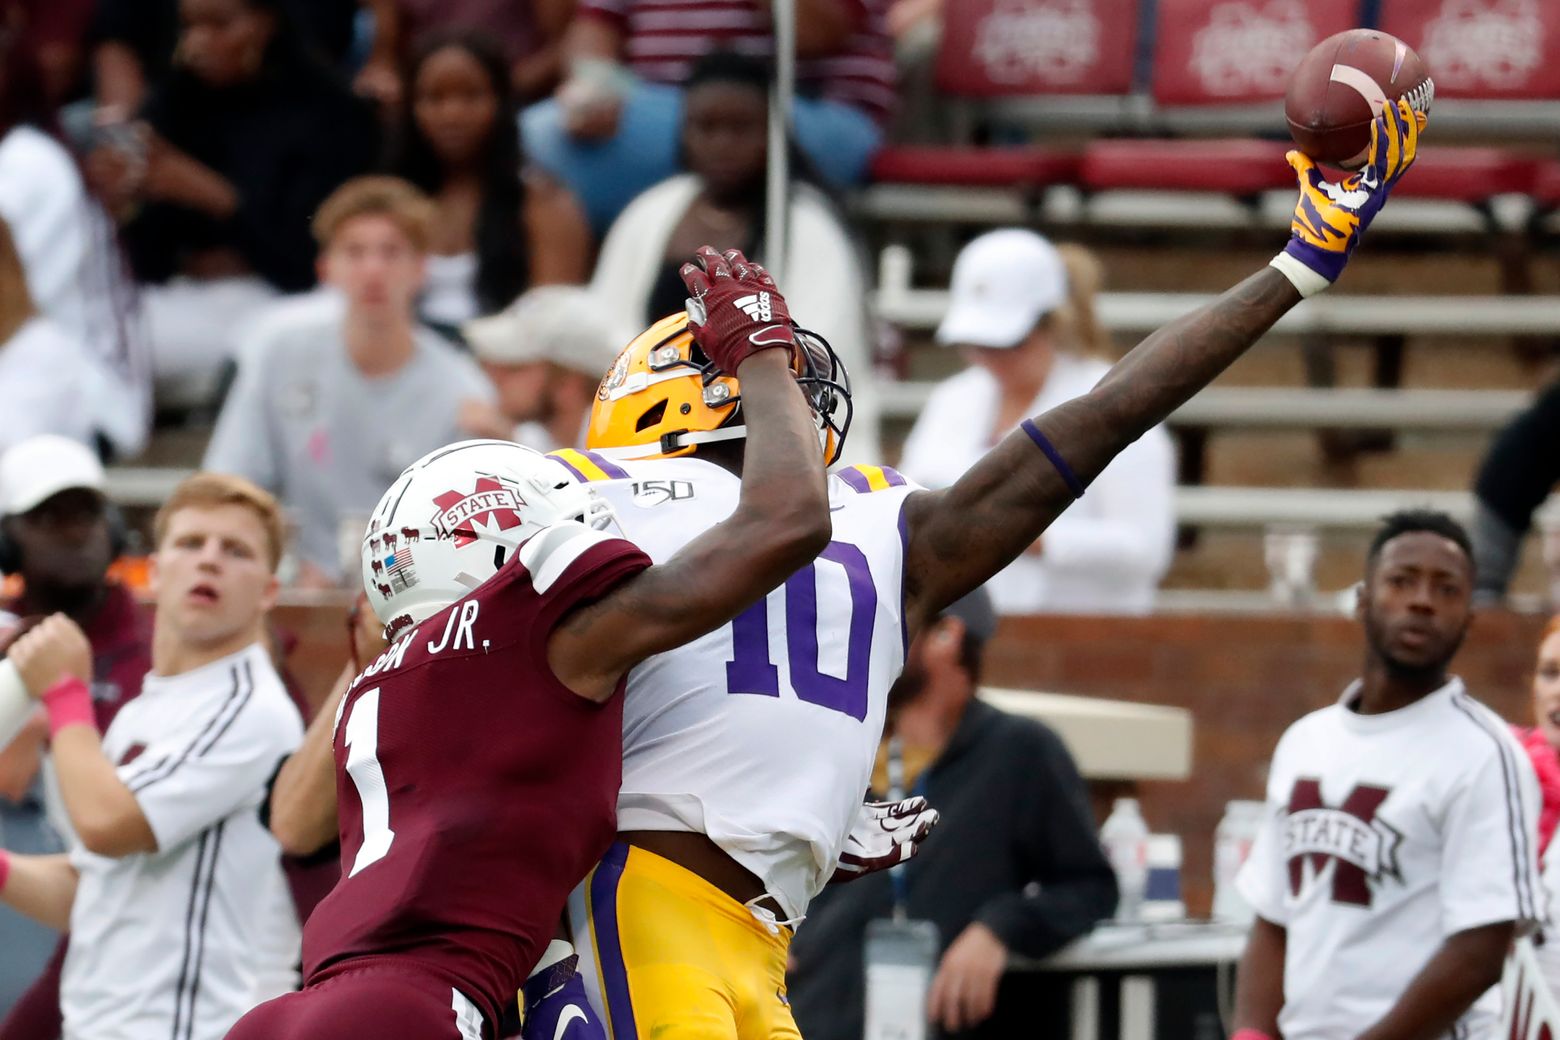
x: 961, y: 536
x: 782, y: 517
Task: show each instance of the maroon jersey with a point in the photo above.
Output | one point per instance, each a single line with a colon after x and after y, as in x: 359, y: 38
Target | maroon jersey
x: 475, y: 790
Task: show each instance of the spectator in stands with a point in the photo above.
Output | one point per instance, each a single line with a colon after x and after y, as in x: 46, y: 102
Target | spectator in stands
x: 529, y: 35
x: 56, y: 32
x: 66, y: 244
x: 1542, y: 743
x: 721, y: 200
x: 334, y: 399
x: 1022, y: 314
x: 59, y: 534
x: 1015, y: 867
x: 217, y: 182
x: 1516, y: 476
x: 545, y: 356
x: 168, y: 796
x: 135, y: 43
x: 1396, y: 860
x: 610, y: 131
x: 42, y: 368
x: 1542, y: 739
x: 498, y: 229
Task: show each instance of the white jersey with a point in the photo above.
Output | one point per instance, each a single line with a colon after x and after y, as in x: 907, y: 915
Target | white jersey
x: 172, y: 944
x: 1548, y: 953
x: 762, y: 734
x: 1386, y: 834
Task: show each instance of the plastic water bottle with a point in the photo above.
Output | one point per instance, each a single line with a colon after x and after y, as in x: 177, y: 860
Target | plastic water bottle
x: 1162, y: 892
x: 1125, y: 837
x: 1232, y: 841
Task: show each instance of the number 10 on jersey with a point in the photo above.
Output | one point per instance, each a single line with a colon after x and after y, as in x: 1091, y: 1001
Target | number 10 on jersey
x: 752, y: 670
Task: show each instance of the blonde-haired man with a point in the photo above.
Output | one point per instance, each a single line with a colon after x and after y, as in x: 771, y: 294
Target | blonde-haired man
x: 170, y: 888
x: 336, y: 396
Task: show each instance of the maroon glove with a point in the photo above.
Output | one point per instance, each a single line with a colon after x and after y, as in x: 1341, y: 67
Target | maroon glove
x: 885, y: 834
x: 734, y: 308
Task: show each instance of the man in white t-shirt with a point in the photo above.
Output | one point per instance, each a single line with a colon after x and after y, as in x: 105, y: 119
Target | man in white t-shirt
x: 170, y: 888
x: 336, y: 395
x: 1398, y: 857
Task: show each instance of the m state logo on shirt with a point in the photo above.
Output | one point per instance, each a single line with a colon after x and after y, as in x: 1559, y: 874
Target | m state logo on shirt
x: 1360, y: 846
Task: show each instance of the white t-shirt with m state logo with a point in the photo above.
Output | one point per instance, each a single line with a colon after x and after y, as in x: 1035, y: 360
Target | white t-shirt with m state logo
x: 1384, y: 835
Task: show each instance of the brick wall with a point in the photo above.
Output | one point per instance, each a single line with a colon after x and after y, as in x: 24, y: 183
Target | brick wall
x: 1244, y: 678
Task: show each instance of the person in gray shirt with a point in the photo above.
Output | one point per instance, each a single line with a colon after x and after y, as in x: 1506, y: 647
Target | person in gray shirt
x: 337, y: 393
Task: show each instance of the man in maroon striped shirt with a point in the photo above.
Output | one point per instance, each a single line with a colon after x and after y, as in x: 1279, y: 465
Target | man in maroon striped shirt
x: 612, y: 129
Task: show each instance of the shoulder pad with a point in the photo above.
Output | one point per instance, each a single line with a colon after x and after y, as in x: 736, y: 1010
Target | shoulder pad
x: 867, y: 479
x: 588, y: 466
x: 549, y: 552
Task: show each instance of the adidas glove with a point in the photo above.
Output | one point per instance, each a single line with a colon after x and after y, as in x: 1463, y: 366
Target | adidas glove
x: 734, y: 308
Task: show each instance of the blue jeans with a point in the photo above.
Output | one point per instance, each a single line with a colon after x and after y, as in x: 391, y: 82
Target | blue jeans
x: 25, y: 945
x: 606, y: 175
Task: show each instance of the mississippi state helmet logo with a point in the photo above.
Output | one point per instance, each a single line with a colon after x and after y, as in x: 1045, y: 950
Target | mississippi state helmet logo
x: 1360, y: 847
x: 490, y: 505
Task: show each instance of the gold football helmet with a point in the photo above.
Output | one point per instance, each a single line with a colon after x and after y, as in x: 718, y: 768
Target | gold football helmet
x: 663, y: 397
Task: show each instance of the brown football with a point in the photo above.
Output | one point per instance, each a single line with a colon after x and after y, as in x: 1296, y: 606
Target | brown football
x: 1338, y: 88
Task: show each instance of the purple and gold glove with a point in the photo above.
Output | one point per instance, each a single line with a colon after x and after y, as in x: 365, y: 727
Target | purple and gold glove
x: 1330, y: 218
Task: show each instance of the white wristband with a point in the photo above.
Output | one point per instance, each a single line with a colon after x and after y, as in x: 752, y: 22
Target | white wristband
x: 1307, y: 281
x: 15, y: 706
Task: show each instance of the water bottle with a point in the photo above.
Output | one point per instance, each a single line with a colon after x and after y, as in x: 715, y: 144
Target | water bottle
x: 1125, y: 837
x: 1232, y: 841
x: 1162, y: 891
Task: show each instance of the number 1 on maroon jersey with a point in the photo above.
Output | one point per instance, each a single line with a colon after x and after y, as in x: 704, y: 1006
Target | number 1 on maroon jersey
x: 362, y: 741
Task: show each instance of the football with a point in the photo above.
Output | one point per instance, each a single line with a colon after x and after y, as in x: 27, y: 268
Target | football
x: 1337, y: 90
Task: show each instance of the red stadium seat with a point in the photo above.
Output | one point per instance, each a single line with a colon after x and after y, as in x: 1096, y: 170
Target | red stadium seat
x: 1239, y: 51
x: 1236, y: 167
x: 1471, y: 175
x: 1002, y: 48
x: 1484, y: 49
x: 974, y: 167
x: 1546, y: 185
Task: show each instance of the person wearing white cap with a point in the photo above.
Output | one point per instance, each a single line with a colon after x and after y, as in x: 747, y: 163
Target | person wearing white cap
x: 1022, y: 313
x: 545, y: 354
x: 59, y: 534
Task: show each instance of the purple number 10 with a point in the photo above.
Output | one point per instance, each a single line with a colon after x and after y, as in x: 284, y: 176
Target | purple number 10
x: 750, y: 669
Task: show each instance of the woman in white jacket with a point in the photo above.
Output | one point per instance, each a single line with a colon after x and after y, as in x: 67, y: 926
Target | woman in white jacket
x: 1022, y: 313
x: 721, y: 202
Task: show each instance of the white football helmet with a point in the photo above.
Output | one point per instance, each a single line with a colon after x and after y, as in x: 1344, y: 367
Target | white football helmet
x: 455, y: 516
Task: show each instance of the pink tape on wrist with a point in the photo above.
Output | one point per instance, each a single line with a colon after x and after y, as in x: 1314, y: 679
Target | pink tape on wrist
x: 5, y: 868
x: 69, y: 703
x: 1250, y: 1034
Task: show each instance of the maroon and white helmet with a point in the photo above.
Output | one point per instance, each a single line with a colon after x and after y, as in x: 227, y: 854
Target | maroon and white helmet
x: 455, y: 516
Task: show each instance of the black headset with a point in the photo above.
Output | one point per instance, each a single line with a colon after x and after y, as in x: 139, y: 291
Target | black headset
x: 118, y: 539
